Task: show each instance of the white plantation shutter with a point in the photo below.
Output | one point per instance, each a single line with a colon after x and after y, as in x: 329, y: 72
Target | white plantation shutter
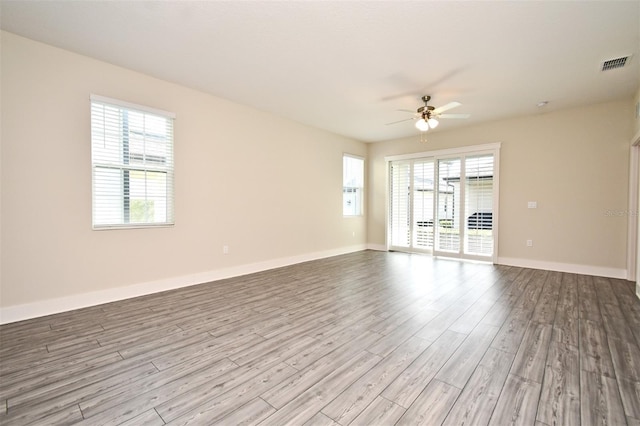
x: 132, y: 164
x: 479, y: 204
x: 448, y: 205
x: 400, y: 203
x: 423, y: 193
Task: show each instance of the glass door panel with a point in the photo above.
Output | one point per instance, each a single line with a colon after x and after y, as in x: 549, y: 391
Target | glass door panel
x: 400, y: 208
x: 423, y: 217
x: 448, y: 206
x: 479, y: 205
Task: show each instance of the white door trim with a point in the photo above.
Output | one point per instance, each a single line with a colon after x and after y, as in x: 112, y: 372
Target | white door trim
x: 633, y: 242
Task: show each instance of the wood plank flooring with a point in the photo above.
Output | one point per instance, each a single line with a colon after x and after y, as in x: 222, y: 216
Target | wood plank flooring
x: 368, y: 338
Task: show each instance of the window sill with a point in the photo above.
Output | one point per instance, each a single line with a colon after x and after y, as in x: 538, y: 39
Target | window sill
x: 132, y: 226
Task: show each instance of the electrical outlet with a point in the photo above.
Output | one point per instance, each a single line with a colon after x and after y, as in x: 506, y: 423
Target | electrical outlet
x: 225, y: 249
x: 529, y: 243
x: 532, y: 204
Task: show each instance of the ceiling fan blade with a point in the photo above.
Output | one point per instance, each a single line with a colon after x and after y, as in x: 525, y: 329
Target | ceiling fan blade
x: 407, y: 110
x: 446, y: 107
x: 400, y: 121
x: 454, y: 115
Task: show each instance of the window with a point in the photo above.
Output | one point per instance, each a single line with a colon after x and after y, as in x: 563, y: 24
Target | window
x: 132, y: 164
x: 352, y: 185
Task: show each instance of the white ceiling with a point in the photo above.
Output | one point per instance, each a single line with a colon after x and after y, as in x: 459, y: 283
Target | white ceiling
x: 348, y: 66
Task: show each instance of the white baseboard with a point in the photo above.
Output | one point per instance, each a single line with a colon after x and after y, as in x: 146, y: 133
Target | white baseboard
x: 598, y: 271
x: 63, y: 304
x: 377, y: 247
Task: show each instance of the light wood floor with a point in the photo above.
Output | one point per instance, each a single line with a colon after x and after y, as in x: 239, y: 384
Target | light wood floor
x: 368, y: 338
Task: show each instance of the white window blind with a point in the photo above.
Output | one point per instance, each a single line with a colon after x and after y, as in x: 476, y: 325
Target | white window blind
x: 132, y: 165
x: 352, y: 185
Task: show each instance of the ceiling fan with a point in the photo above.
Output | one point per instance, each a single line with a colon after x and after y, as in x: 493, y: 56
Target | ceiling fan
x: 427, y: 115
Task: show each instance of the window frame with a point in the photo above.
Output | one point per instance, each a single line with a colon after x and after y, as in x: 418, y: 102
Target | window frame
x: 146, y: 164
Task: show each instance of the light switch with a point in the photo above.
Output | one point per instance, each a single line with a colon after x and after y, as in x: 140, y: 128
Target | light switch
x: 532, y: 204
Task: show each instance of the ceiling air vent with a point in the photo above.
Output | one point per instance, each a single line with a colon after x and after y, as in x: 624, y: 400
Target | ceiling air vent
x: 612, y: 64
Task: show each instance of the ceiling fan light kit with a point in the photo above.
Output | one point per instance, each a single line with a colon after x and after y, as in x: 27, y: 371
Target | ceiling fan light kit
x: 426, y: 123
x: 422, y: 125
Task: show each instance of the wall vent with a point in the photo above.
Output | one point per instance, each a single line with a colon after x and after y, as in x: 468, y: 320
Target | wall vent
x: 612, y: 64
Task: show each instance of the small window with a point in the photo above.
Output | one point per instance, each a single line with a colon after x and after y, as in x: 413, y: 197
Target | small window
x: 132, y: 165
x: 352, y: 185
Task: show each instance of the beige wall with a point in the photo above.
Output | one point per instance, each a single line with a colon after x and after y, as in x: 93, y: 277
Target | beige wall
x: 574, y: 163
x: 267, y: 187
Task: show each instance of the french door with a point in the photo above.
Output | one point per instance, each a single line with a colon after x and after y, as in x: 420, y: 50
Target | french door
x: 445, y: 205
